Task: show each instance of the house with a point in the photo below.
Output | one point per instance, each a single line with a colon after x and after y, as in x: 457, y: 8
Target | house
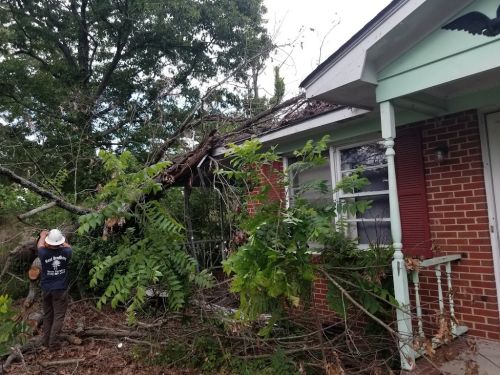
x: 417, y: 91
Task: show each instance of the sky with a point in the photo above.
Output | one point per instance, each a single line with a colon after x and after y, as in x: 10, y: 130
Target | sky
x: 309, y: 31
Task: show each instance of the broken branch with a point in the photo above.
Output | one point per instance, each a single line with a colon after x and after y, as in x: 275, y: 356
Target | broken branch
x: 43, y: 192
x: 61, y: 362
x: 36, y: 210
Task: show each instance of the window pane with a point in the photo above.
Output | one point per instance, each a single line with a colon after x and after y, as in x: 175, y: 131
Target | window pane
x: 377, y: 177
x: 366, y: 155
x: 310, y: 178
x: 319, y: 173
x: 378, y: 232
x: 379, y: 208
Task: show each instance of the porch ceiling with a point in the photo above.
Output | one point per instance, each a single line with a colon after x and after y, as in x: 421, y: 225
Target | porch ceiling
x: 481, y: 90
x: 476, y: 83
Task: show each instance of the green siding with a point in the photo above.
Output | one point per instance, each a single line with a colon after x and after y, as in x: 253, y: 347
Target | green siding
x: 442, y: 57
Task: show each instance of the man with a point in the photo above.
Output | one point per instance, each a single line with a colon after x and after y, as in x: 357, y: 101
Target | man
x: 54, y: 253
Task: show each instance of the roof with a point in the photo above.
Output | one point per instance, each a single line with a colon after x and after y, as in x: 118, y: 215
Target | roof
x: 306, y: 110
x: 356, y: 37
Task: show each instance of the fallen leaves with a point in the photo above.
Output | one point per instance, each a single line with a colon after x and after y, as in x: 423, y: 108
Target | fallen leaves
x: 443, y: 334
x: 471, y: 367
x: 412, y: 264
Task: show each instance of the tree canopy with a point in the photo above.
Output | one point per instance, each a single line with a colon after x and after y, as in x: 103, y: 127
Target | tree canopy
x: 78, y: 75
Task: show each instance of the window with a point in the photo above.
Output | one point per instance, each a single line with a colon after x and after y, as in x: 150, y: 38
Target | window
x: 373, y: 226
x: 321, y: 173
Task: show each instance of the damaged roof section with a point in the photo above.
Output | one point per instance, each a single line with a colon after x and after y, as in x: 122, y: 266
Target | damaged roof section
x: 300, y: 112
x: 303, y: 119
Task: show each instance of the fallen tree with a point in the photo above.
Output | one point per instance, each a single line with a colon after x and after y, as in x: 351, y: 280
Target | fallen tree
x: 181, y: 171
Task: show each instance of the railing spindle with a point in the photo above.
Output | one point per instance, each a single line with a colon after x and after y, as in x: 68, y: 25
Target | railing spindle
x: 437, y: 263
x: 450, y: 298
x: 440, y: 289
x: 416, y: 282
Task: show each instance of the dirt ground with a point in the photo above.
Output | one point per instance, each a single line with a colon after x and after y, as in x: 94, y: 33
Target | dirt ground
x: 95, y: 355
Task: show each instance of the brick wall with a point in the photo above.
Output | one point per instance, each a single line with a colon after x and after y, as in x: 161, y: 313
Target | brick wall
x: 270, y: 177
x: 459, y: 220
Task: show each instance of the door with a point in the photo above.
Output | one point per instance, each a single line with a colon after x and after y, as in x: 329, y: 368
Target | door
x: 493, y: 131
x: 493, y: 188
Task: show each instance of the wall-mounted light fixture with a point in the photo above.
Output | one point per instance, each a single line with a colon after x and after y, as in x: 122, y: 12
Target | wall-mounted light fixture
x: 441, y: 152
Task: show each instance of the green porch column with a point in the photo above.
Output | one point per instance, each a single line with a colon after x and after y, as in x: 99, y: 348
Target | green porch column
x: 400, y: 276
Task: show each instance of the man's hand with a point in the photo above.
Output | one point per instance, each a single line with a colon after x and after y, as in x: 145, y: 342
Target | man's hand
x: 41, y: 240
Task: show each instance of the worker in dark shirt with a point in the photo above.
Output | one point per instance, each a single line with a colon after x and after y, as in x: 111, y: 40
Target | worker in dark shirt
x: 54, y: 253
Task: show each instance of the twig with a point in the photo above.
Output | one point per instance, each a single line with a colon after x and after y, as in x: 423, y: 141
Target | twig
x: 61, y: 362
x: 112, y: 332
x: 144, y: 342
x: 5, y: 266
x: 356, y: 303
x: 16, y: 277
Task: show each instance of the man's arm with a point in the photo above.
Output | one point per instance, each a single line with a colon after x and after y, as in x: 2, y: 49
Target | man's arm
x: 69, y: 251
x: 41, y: 239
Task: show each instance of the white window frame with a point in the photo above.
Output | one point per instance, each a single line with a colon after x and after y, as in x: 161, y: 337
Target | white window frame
x: 336, y: 175
x: 337, y: 171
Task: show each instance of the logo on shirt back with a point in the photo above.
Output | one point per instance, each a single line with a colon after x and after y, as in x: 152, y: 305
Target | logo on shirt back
x: 56, y: 264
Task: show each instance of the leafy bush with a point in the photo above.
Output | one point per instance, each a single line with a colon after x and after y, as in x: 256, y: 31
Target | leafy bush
x: 12, y: 332
x: 274, y: 269
x: 15, y: 199
x: 149, y: 244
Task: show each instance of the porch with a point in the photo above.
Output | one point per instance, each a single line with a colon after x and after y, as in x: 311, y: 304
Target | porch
x: 462, y: 356
x: 414, y: 71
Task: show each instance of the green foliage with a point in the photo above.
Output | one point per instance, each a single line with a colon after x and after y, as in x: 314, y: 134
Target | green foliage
x: 152, y: 253
x: 274, y: 268
x: 12, y: 332
x: 245, y: 161
x: 14, y: 200
x: 124, y: 189
x: 71, y: 71
x: 274, y: 265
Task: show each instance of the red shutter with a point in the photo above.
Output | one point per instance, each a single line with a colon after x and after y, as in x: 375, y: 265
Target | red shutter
x: 412, y: 193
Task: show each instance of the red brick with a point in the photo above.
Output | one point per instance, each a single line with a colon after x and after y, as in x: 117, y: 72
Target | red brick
x: 473, y: 318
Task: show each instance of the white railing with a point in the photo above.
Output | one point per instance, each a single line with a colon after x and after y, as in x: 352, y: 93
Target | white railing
x: 438, y: 263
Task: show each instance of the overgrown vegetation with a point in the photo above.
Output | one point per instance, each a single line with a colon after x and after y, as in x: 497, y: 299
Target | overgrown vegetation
x: 149, y: 250
x: 12, y: 331
x: 274, y: 269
